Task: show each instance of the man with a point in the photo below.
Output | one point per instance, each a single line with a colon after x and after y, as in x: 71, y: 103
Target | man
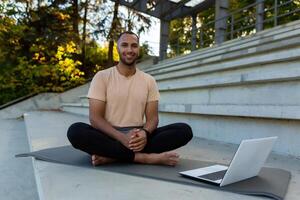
x: 119, y: 98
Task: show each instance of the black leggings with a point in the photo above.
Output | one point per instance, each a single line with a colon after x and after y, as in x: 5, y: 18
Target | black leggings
x: 92, y: 141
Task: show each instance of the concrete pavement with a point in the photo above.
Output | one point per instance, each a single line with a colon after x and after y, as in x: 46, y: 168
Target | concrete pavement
x: 48, y: 129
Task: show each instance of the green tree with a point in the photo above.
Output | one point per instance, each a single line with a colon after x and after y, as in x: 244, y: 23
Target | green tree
x: 180, y: 36
x: 37, y: 38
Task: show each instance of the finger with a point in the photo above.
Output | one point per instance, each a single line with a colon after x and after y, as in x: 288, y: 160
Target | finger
x: 136, y: 140
x: 138, y: 149
x: 176, y: 155
x: 173, y: 163
x: 142, y: 146
x: 93, y: 158
x: 96, y: 159
x: 138, y: 146
x: 142, y: 133
x: 133, y: 135
x: 138, y: 143
x: 174, y: 160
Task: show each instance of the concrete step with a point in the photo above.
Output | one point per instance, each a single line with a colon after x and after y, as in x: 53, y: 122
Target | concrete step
x: 57, y: 181
x: 83, y: 99
x: 76, y: 108
x: 258, y: 110
x: 48, y: 101
x: 17, y: 176
x: 259, y: 42
x: 247, y: 66
x: 237, y: 127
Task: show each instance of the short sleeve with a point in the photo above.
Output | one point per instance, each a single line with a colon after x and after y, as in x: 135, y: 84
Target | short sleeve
x: 97, y: 88
x: 153, y: 94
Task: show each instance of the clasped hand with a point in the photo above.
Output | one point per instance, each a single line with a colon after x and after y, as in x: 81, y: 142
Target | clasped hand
x: 137, y: 140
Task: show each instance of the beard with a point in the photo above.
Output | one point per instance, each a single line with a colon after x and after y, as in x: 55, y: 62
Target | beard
x: 130, y: 64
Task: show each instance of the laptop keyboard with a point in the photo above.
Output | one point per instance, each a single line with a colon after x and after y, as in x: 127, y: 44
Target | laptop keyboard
x: 214, y: 176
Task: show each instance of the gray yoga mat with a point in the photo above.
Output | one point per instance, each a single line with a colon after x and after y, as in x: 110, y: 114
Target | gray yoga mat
x: 270, y: 182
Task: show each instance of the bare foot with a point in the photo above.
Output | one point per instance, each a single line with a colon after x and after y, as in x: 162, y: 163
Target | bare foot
x: 100, y: 160
x: 170, y: 158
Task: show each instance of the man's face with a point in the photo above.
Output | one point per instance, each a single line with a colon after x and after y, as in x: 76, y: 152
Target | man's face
x: 128, y: 49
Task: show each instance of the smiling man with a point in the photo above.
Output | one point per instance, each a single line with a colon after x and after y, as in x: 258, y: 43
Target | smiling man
x: 119, y: 99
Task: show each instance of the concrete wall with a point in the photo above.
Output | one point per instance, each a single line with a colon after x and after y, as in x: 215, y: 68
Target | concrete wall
x: 44, y: 101
x: 245, y: 88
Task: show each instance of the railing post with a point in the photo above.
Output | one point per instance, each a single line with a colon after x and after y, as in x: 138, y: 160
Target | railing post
x: 164, y: 35
x: 177, y: 49
x: 275, y: 12
x: 221, y: 20
x: 194, y: 31
x: 259, y: 23
x: 232, y: 26
x: 201, y: 36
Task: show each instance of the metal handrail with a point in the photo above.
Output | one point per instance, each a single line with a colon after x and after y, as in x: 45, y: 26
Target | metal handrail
x: 231, y: 32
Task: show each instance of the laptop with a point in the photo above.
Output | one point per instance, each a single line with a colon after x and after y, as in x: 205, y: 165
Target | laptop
x: 246, y: 163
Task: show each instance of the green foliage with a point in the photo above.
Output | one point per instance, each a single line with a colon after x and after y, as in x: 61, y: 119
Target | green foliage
x: 96, y: 58
x: 206, y: 29
x: 48, y: 28
x: 11, y: 35
x: 97, y: 55
x: 37, y: 75
x: 40, y: 43
x: 145, y: 50
x: 180, y: 36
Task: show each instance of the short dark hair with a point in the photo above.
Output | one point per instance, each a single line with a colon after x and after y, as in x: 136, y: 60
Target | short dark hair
x: 130, y: 33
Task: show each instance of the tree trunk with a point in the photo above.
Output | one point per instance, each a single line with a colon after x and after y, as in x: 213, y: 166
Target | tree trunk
x: 75, y: 19
x: 112, y: 35
x: 84, y: 33
x: 39, y: 4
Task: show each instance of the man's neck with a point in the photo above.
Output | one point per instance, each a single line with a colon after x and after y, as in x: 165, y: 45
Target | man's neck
x: 126, y: 70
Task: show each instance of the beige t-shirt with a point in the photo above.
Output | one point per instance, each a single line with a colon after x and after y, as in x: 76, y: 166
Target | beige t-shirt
x: 125, y: 97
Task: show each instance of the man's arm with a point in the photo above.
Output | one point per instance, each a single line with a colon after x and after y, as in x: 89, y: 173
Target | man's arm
x: 96, y: 115
x: 151, y: 114
x: 139, y: 142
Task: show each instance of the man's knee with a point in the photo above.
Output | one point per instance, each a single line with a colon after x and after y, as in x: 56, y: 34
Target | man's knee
x: 187, y: 130
x: 75, y: 131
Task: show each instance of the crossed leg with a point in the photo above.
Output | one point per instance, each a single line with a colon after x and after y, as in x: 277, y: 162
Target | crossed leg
x: 166, y: 158
x: 159, y: 149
